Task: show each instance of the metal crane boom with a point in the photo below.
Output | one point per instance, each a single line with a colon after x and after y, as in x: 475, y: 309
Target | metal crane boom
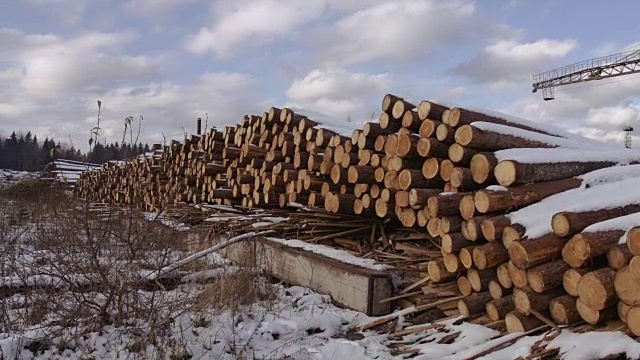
x: 595, y: 69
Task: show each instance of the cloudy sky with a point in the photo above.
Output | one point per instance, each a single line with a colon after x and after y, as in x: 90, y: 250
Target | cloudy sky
x: 172, y: 61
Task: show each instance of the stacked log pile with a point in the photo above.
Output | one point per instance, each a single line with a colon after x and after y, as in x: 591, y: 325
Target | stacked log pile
x: 499, y: 208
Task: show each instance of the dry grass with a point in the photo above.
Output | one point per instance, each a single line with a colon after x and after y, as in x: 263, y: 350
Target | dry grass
x: 84, y: 269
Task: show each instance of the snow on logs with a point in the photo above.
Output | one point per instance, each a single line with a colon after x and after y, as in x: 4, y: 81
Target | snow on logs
x: 530, y: 220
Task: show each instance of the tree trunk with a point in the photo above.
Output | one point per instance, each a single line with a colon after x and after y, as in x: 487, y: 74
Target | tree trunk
x: 498, y: 309
x: 596, y: 289
x: 431, y: 110
x: 489, y: 255
x: 527, y: 299
x: 474, y: 304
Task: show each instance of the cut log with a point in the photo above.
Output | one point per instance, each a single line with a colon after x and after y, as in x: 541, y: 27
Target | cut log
x: 470, y: 229
x: 407, y: 145
x: 594, y: 316
x: 526, y: 299
x: 504, y: 277
x: 461, y: 179
x: 569, y: 223
x: 466, y: 257
x: 585, y: 246
x: 498, y: 309
x: 633, y: 320
x: 413, y: 178
x: 619, y: 256
x: 627, y: 288
x: 461, y: 155
x: 410, y: 120
x: 428, y: 128
x: 623, y: 310
x: 464, y: 286
x: 490, y: 201
x: 460, y: 116
x: 474, y: 304
x: 419, y: 197
x: 547, y: 276
x: 473, y: 137
x: 453, y: 243
x: 489, y: 255
x: 430, y: 147
x: 467, y: 210
x: 438, y: 272
x: 510, y: 172
x: 445, y: 134
x: 518, y: 323
x: 400, y: 107
x: 446, y: 167
x: 497, y: 291
x: 571, y: 278
x: 431, y: 110
x: 563, y: 310
x: 633, y: 240
x: 431, y: 167
x: 531, y: 252
x: 492, y: 228
x: 479, y: 279
x: 452, y: 263
x: 360, y: 174
x: 482, y: 167
x: 451, y: 224
x: 444, y: 205
x: 596, y: 289
x: 518, y: 276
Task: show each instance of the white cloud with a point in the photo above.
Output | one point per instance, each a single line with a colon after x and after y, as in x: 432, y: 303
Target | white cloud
x: 337, y: 92
x: 69, y: 11
x: 243, y: 22
x: 48, y: 64
x: 155, y: 7
x: 509, y: 61
x: 398, y: 30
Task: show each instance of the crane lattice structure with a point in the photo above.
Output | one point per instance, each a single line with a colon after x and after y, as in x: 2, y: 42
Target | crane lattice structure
x: 595, y: 69
x: 628, y: 129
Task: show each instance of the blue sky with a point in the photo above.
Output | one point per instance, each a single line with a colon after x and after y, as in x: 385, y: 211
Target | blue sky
x: 172, y: 61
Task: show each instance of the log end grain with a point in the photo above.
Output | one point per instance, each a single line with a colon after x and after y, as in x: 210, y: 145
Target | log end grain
x: 560, y: 224
x: 506, y: 172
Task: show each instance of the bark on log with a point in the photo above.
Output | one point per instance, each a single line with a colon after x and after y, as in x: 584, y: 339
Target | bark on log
x: 428, y: 128
x: 409, y: 178
x: 596, y: 289
x: 438, y: 272
x: 460, y: 155
x: 619, y: 256
x: 497, y: 291
x: 444, y: 205
x: 460, y: 116
x: 492, y: 228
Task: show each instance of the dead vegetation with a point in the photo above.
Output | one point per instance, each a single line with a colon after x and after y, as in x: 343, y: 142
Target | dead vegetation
x: 69, y: 269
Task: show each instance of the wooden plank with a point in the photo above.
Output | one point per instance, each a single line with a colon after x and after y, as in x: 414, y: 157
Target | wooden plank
x: 350, y: 286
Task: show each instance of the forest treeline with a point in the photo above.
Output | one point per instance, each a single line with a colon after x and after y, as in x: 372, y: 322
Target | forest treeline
x: 24, y: 152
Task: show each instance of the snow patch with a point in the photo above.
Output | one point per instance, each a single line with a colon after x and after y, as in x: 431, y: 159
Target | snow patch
x: 594, y: 345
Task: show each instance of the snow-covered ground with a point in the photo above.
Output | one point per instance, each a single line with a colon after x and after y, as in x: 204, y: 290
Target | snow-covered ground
x: 8, y: 177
